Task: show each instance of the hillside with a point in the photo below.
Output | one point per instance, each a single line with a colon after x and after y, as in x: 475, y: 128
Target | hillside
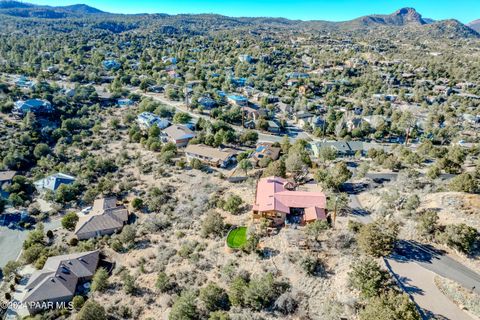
x: 475, y: 25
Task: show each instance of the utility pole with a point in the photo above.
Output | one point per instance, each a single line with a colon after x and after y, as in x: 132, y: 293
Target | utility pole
x: 186, y: 98
x: 334, y: 216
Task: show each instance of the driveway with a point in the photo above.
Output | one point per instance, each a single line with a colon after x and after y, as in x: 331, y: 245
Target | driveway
x: 419, y: 283
x: 18, y: 310
x: 416, y: 264
x: 11, y: 241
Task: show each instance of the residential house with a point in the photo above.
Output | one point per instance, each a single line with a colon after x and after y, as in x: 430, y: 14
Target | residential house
x: 105, y: 218
x: 56, y: 284
x: 171, y: 60
x: 37, y: 106
x: 174, y: 74
x: 375, y: 121
x: 354, y: 123
x: 276, y: 201
x: 124, y: 102
x: 346, y: 148
x: 212, y: 156
x: 298, y: 75
x: 207, y: 103
x: 23, y: 82
x: 265, y: 150
x: 6, y: 177
x: 238, y: 82
x: 53, y: 182
x: 178, y: 134
x: 156, y: 89
x: 312, y: 122
x: 147, y: 119
x: 302, y: 115
x: 246, y: 58
x: 273, y: 127
x: 237, y: 100
x: 111, y: 65
x: 284, y: 108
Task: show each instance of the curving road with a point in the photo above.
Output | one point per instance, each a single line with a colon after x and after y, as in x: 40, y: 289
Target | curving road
x: 415, y: 264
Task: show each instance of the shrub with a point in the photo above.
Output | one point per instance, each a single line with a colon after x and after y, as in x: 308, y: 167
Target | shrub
x: 163, y: 282
x: 196, y: 164
x: 78, y: 302
x: 233, y: 204
x: 100, y: 280
x: 91, y: 310
x: 427, y: 223
x: 214, y: 298
x: 310, y: 265
x: 69, y: 221
x: 50, y: 234
x: 128, y: 283
x: 128, y: 235
x: 184, y: 307
x: 219, y: 315
x: 10, y: 268
x: 390, y: 306
x: 137, y: 203
x: 213, y: 225
x: 460, y: 237
x: 378, y: 238
x: 367, y: 277
x: 465, y: 182
x: 286, y: 303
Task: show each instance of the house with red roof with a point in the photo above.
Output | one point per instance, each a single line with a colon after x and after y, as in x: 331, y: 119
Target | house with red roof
x: 276, y: 201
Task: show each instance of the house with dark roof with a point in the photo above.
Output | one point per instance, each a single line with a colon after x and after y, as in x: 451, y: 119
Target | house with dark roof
x: 346, y: 148
x: 59, y: 279
x: 105, y: 218
x: 207, y: 103
x: 53, y: 182
x: 276, y: 201
x: 265, y: 150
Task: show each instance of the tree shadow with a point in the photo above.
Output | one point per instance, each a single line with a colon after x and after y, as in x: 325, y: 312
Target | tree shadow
x: 406, y: 251
x: 353, y: 188
x: 408, y: 287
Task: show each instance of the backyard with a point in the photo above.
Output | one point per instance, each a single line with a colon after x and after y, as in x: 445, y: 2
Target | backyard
x: 237, y: 237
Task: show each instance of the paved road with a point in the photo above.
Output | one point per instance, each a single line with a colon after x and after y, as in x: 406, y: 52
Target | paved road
x: 438, y: 262
x: 11, y: 241
x: 419, y: 283
x: 262, y: 137
x: 414, y: 263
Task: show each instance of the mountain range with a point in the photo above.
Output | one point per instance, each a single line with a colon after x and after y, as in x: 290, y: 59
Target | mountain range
x: 407, y: 18
x: 23, y: 9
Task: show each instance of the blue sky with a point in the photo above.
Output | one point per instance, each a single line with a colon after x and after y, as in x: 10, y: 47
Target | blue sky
x: 332, y: 10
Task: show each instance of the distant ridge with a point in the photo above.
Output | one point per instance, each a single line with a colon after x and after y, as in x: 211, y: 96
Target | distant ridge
x: 408, y: 19
x: 82, y: 8
x: 400, y: 17
x: 475, y: 25
x: 23, y: 9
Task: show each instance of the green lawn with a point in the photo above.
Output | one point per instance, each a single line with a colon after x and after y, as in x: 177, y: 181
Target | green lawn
x: 237, y: 237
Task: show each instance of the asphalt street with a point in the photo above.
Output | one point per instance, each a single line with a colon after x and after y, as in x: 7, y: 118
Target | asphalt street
x: 11, y: 241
